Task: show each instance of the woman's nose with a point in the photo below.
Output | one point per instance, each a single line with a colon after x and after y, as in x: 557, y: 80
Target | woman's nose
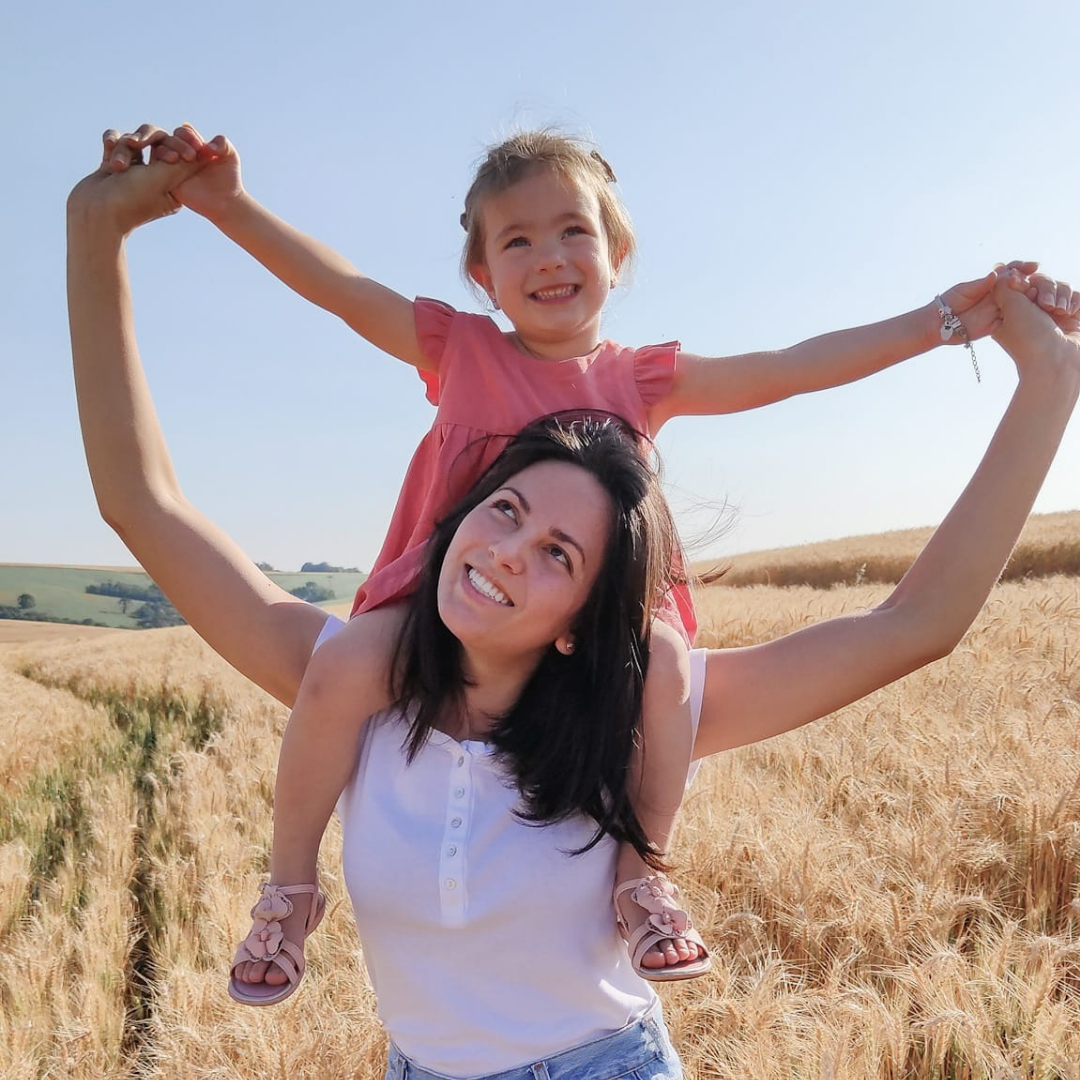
x: 507, y: 554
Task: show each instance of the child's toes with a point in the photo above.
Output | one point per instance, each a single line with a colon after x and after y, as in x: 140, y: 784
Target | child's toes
x: 686, y: 950
x: 665, y: 953
x: 274, y: 976
x: 254, y: 971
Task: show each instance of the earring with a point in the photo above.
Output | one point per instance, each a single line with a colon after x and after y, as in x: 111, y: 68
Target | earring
x: 568, y: 648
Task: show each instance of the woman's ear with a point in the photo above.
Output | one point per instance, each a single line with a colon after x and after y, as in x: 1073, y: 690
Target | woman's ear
x: 565, y: 645
x: 479, y: 273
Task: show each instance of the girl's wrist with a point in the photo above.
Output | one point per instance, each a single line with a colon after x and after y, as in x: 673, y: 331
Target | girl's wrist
x: 228, y: 209
x: 930, y: 323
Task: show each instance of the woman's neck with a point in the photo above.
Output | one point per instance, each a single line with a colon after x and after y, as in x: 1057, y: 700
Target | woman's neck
x: 491, y: 690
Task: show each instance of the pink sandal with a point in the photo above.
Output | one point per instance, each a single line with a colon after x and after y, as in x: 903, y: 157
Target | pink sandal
x: 266, y: 942
x: 666, y: 920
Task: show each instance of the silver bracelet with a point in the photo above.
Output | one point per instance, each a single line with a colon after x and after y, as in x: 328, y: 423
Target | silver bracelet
x: 951, y: 324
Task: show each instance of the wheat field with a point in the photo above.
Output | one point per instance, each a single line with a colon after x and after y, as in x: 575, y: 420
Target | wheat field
x: 893, y: 892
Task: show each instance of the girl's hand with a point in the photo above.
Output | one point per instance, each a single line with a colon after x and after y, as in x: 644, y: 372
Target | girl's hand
x: 974, y: 303
x: 124, y: 192
x: 217, y: 185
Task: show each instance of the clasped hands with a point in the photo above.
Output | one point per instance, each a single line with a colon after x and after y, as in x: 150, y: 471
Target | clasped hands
x: 183, y: 169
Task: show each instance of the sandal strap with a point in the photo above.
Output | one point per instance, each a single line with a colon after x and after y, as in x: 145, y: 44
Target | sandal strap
x: 656, y: 895
x: 266, y: 940
x: 645, y: 937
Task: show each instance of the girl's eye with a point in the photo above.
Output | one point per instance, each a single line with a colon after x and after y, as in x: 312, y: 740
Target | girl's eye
x: 575, y: 230
x: 517, y: 241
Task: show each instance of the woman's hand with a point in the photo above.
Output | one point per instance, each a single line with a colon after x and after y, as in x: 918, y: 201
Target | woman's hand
x: 215, y: 188
x: 124, y: 192
x: 1040, y: 323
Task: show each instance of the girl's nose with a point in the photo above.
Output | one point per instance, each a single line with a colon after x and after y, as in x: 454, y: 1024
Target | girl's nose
x: 550, y: 256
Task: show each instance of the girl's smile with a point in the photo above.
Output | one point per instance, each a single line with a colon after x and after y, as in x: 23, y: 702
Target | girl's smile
x: 547, y: 263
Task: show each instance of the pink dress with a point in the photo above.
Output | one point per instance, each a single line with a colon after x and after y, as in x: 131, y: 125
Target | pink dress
x: 486, y: 391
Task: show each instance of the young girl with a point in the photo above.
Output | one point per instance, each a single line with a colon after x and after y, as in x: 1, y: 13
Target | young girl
x: 547, y: 239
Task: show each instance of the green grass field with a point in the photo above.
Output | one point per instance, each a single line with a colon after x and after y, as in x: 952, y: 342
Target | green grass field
x: 60, y: 591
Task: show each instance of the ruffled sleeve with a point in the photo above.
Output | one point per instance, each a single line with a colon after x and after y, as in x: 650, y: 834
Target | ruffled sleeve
x: 654, y: 371
x: 433, y: 320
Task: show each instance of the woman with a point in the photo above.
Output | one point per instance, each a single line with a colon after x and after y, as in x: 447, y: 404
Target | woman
x: 453, y: 1001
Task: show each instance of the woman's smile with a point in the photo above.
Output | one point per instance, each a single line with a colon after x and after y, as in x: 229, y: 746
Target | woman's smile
x: 522, y: 562
x: 487, y: 588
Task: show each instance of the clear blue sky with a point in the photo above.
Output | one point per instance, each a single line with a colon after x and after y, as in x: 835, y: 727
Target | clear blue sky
x: 792, y: 168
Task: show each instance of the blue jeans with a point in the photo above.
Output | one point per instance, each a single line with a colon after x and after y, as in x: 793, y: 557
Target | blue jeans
x: 640, y: 1051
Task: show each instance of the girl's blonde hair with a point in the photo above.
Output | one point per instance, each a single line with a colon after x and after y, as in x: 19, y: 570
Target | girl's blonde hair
x: 567, y: 156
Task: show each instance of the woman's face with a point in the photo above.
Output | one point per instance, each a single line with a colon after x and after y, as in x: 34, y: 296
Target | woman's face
x: 522, y: 563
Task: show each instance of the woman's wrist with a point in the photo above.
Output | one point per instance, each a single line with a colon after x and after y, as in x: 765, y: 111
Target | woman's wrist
x: 93, y: 225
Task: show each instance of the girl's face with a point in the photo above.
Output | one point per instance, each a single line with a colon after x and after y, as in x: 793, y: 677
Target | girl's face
x: 522, y: 564
x: 547, y: 263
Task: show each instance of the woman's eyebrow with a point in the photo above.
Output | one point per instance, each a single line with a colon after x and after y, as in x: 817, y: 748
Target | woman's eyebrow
x: 562, y: 537
x: 520, y: 498
x: 566, y: 538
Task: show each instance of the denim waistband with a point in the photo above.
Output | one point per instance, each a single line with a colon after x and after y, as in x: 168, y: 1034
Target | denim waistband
x: 635, y: 1046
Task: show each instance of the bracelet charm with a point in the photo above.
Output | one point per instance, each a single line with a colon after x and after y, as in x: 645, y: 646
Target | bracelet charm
x: 951, y: 324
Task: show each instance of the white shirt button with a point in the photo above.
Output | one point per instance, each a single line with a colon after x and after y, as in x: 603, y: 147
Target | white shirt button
x: 461, y: 761
x: 452, y: 849
x: 451, y: 884
x: 455, y: 823
x: 459, y: 792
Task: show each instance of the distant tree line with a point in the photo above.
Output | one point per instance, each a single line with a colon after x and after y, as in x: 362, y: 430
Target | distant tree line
x: 312, y: 593
x: 311, y: 568
x: 126, y: 592
x: 10, y: 611
x: 154, y: 611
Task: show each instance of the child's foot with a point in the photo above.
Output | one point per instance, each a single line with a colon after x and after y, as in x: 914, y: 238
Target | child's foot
x: 662, y: 942
x: 269, y: 963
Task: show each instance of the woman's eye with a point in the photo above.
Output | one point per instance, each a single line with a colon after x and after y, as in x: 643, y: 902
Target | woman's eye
x: 560, y: 555
x: 504, y: 506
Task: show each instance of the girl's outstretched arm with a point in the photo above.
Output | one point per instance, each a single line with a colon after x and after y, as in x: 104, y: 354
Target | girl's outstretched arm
x: 754, y: 693
x: 257, y: 626
x: 709, y: 385
x: 308, y: 266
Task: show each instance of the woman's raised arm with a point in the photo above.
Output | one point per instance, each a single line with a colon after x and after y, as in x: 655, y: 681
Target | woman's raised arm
x: 756, y: 692
x: 257, y: 626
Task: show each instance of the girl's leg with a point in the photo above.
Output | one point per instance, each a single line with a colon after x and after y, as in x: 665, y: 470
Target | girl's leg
x: 346, y: 682
x: 659, y: 779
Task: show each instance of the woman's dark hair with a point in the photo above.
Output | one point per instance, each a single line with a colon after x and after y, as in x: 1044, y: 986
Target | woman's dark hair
x: 569, y: 739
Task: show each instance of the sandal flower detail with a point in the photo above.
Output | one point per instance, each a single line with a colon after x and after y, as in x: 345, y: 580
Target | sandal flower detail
x: 658, y: 896
x: 266, y: 942
x: 265, y: 937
